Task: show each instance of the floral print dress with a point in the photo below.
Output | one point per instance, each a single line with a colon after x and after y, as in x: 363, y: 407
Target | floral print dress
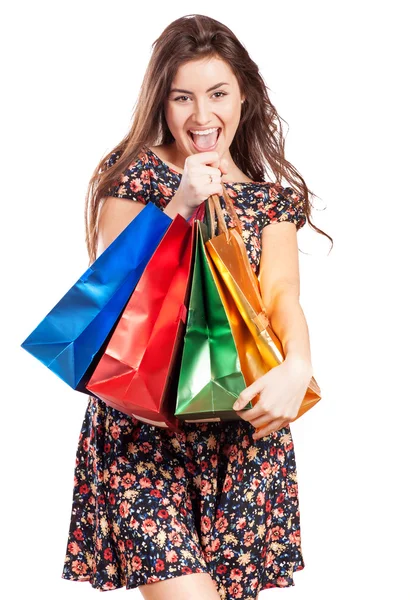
x: 150, y: 503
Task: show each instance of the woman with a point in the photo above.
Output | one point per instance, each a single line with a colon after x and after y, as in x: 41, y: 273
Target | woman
x: 216, y: 502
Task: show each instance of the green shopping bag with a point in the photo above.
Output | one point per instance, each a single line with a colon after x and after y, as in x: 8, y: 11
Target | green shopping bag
x: 210, y: 376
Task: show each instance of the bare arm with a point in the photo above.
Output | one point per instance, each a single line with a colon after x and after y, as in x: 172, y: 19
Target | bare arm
x: 280, y: 288
x: 117, y: 213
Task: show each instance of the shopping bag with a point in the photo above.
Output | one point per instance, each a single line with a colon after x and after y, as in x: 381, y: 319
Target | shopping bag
x: 134, y: 372
x: 69, y: 339
x: 252, y: 363
x: 229, y: 257
x: 210, y: 377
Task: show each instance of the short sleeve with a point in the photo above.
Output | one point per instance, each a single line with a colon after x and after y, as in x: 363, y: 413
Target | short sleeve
x: 283, y: 204
x: 134, y: 183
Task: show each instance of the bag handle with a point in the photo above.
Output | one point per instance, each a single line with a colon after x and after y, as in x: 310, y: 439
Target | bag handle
x: 261, y: 320
x: 215, y: 208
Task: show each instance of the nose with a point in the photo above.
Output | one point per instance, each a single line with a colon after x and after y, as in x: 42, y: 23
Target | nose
x: 202, y: 113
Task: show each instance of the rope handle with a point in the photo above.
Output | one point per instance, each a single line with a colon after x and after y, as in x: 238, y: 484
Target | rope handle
x: 261, y: 320
x: 215, y: 209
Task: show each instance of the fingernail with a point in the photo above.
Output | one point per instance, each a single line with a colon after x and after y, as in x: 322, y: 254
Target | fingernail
x: 236, y: 406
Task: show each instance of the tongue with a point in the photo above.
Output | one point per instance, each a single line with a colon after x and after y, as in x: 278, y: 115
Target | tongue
x: 205, y: 141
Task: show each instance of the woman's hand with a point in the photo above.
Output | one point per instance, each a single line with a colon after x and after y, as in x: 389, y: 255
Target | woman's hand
x: 195, y: 185
x: 281, y: 390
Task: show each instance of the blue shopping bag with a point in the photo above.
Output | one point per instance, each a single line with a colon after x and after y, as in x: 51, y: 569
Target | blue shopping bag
x: 71, y: 337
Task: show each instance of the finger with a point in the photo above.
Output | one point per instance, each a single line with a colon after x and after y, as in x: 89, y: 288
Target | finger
x: 215, y: 173
x: 268, y: 429
x: 260, y: 420
x: 247, y: 394
x: 262, y: 432
x: 249, y: 414
x: 263, y: 425
x: 214, y: 188
x: 213, y: 159
x: 243, y: 400
x: 205, y: 158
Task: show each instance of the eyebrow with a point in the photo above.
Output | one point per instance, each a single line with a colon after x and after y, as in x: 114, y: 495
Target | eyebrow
x: 209, y: 90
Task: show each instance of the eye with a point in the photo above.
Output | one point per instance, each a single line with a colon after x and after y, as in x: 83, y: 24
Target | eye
x: 179, y: 98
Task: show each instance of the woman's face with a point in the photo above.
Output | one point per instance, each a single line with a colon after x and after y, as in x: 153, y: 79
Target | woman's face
x: 204, y: 95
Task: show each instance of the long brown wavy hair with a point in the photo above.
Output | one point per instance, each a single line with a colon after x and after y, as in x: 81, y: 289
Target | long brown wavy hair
x: 259, y: 137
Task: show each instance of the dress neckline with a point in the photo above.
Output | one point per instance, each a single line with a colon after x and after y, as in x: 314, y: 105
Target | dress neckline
x: 225, y: 182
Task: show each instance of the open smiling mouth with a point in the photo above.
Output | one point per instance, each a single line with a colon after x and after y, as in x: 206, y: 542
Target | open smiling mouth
x: 205, y: 142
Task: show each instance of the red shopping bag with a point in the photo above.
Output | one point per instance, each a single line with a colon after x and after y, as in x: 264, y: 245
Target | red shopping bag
x: 134, y: 375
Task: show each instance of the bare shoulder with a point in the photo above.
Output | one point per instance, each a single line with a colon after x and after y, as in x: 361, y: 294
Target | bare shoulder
x: 115, y: 214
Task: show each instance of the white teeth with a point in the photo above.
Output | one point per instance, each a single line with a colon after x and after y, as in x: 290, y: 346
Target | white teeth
x: 206, y: 132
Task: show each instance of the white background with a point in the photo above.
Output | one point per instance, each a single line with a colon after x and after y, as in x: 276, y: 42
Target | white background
x: 338, y: 76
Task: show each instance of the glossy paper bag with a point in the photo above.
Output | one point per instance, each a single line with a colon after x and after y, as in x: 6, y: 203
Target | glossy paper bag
x: 210, y: 377
x: 228, y: 253
x: 135, y: 371
x: 69, y: 339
